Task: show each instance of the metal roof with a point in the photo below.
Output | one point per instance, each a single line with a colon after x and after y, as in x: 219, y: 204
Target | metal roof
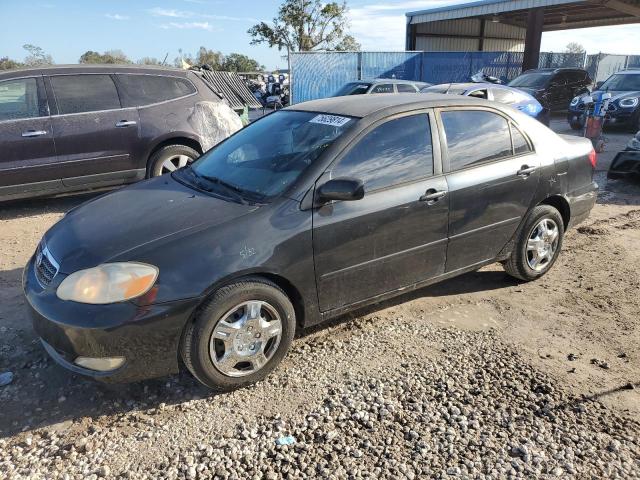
x: 559, y: 14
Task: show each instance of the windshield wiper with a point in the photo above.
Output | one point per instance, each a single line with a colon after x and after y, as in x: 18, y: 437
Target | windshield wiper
x: 235, y: 191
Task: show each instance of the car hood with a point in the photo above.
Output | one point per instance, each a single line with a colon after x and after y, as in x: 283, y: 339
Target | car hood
x: 531, y: 91
x: 118, y: 223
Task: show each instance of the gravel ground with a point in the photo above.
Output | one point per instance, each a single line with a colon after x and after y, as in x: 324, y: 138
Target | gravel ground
x: 477, y: 377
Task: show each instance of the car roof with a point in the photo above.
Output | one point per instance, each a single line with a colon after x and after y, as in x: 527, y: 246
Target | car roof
x: 93, y: 68
x: 555, y: 70
x: 629, y: 71
x: 364, y: 105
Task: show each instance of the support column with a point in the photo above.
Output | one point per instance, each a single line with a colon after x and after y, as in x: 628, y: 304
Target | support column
x: 535, y: 23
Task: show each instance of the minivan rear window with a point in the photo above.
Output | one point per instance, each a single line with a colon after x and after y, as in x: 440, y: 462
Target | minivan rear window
x: 139, y: 90
x: 84, y: 93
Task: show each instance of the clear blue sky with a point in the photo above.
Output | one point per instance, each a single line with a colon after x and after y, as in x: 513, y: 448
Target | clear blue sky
x: 153, y: 28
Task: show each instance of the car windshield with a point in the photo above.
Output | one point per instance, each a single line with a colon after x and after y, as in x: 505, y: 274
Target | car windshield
x: 353, y: 88
x: 535, y: 80
x: 263, y: 159
x: 622, y: 82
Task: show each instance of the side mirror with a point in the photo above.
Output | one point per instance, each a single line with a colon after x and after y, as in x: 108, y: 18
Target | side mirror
x: 598, y: 85
x: 343, y: 188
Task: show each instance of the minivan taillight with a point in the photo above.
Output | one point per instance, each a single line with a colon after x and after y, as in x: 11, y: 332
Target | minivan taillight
x: 593, y: 158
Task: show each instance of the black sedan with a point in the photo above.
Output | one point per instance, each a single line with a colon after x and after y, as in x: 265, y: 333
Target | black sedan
x: 306, y: 214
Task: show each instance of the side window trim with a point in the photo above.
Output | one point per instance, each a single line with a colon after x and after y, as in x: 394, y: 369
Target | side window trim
x: 54, y: 100
x: 435, y: 147
x: 446, y: 167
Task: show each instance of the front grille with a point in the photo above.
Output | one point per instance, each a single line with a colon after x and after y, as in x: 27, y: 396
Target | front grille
x: 46, y: 267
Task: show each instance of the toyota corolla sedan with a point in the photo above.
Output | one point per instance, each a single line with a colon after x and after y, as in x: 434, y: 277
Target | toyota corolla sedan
x: 308, y: 213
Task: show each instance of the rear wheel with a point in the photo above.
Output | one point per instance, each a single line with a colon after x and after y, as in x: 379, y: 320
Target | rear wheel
x: 240, y: 335
x: 538, y: 245
x: 169, y: 158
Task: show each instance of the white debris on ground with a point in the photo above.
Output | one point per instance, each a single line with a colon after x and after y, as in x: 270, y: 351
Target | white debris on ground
x: 214, y: 121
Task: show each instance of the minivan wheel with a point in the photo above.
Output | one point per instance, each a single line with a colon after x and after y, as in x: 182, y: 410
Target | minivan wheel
x: 239, y: 335
x: 538, y: 244
x: 169, y: 158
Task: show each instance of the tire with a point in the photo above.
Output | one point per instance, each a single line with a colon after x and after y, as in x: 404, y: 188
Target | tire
x: 521, y: 263
x: 176, y: 155
x: 227, y: 314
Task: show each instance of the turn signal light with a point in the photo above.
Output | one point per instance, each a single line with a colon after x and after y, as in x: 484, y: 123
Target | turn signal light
x: 593, y: 158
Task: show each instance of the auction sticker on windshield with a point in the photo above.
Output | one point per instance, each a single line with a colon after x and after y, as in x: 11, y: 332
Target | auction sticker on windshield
x: 333, y: 120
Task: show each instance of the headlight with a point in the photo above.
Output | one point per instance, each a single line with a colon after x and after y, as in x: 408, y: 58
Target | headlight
x: 108, y: 283
x: 575, y: 101
x: 628, y: 102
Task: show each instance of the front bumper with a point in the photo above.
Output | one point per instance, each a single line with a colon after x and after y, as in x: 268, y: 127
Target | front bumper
x: 623, y: 118
x: 146, y: 336
x: 625, y: 164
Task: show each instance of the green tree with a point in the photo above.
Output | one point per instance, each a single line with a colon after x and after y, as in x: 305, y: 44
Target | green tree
x: 204, y: 57
x: 303, y: 25
x: 110, y: 56
x: 7, y: 64
x: 150, y: 61
x: 37, y: 56
x: 237, y: 62
x: 348, y: 44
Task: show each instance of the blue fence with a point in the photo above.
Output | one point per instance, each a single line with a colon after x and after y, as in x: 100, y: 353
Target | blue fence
x: 320, y: 74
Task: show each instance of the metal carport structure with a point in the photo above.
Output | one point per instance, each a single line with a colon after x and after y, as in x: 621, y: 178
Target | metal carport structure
x: 510, y: 25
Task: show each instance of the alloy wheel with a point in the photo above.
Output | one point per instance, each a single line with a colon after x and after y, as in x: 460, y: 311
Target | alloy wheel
x: 542, y: 244
x: 174, y: 162
x: 245, y: 338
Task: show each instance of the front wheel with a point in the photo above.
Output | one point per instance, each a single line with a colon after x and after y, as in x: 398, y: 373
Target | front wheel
x: 538, y: 244
x: 240, y: 335
x: 170, y: 158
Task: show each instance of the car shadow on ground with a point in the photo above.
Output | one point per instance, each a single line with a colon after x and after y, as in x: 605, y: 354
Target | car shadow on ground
x: 623, y: 191
x: 43, y: 394
x: 33, y: 207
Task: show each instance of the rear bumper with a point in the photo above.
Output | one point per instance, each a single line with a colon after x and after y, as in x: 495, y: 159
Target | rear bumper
x: 581, y: 202
x: 147, y: 336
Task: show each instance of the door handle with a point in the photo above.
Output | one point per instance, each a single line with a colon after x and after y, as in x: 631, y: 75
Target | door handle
x: 34, y: 133
x: 125, y: 123
x: 526, y: 170
x: 431, y: 196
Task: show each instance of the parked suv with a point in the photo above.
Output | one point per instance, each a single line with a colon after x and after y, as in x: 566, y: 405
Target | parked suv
x: 69, y: 128
x: 553, y: 87
x: 624, y: 109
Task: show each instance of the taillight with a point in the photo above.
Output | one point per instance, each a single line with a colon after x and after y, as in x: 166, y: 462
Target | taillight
x: 593, y: 158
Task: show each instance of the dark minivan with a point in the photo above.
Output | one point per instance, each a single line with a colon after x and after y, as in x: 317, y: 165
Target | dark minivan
x: 351, y: 201
x: 554, y: 88
x: 70, y: 128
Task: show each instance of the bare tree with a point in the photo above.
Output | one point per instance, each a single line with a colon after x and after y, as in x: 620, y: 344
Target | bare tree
x: 574, y: 47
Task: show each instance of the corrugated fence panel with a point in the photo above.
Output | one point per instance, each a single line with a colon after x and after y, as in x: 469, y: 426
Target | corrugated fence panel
x: 400, y: 65
x: 319, y: 75
x: 446, y: 67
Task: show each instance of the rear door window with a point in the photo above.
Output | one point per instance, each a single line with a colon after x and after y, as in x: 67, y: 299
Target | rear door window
x: 406, y: 88
x: 19, y: 99
x: 503, y: 96
x: 520, y: 144
x: 383, y: 88
x: 475, y: 136
x: 395, y: 152
x: 84, y: 93
x: 139, y: 90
